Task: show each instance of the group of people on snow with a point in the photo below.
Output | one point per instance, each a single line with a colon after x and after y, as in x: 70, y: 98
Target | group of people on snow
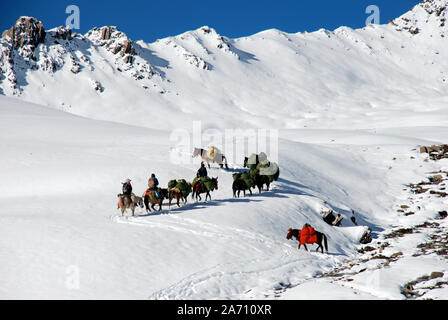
x: 153, y: 182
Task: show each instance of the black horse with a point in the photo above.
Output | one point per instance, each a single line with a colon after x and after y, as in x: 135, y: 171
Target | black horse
x: 320, y: 236
x: 238, y: 186
x: 261, y: 180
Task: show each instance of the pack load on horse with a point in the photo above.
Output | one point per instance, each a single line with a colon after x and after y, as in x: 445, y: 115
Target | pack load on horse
x: 263, y: 171
x: 248, y: 179
x: 242, y: 181
x: 211, y: 155
x: 204, y: 185
x: 308, y: 235
x: 270, y: 169
x: 251, y: 162
x: 179, y: 189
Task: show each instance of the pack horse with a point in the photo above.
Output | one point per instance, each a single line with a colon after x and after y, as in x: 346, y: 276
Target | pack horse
x: 212, y: 155
x: 308, y: 235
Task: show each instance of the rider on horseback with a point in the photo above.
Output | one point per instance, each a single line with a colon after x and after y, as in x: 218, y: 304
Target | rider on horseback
x: 126, y: 191
x: 127, y: 187
x: 153, y: 183
x: 202, y: 172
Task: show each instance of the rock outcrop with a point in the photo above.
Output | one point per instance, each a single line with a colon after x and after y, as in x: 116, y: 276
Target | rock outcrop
x: 113, y: 40
x: 26, y: 31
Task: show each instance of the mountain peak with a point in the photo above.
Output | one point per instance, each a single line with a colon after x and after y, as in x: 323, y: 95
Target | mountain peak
x: 427, y: 17
x: 26, y: 31
x: 112, y: 39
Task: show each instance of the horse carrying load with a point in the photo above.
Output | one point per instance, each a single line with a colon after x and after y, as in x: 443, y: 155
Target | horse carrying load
x: 207, y: 181
x: 178, y: 189
x: 182, y: 185
x: 259, y: 164
x: 204, y: 185
x: 246, y: 177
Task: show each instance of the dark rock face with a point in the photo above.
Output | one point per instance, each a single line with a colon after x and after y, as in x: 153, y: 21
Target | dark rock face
x: 105, y: 33
x: 26, y: 31
x: 63, y: 33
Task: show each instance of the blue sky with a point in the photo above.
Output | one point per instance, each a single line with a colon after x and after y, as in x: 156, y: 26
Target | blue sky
x: 154, y: 19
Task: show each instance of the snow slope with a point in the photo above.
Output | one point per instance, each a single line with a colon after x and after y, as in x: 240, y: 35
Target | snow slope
x: 61, y: 173
x: 79, y: 119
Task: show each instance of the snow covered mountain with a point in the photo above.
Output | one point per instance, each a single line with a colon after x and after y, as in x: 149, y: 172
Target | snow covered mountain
x: 80, y: 113
x: 320, y: 79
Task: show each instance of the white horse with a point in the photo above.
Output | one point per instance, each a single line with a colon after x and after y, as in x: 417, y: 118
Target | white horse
x: 212, y: 155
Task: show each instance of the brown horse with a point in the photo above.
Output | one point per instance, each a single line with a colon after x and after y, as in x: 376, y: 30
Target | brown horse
x: 176, y: 193
x: 199, y: 187
x: 150, y: 198
x: 129, y: 202
x: 320, y: 236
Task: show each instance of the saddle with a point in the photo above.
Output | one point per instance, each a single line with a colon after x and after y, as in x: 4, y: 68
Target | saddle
x: 157, y: 192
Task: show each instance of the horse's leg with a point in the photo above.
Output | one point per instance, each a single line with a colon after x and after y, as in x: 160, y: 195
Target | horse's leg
x: 178, y: 198
x: 250, y: 191
x: 146, y: 202
x: 305, y: 247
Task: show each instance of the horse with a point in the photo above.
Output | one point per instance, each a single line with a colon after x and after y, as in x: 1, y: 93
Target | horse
x: 176, y: 193
x: 239, y: 185
x: 129, y: 202
x: 199, y: 187
x: 260, y: 180
x: 320, y: 236
x: 150, y: 198
x: 218, y: 158
x: 246, y: 159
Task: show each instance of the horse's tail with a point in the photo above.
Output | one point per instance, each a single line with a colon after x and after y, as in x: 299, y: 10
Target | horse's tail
x: 325, y: 242
x: 224, y: 159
